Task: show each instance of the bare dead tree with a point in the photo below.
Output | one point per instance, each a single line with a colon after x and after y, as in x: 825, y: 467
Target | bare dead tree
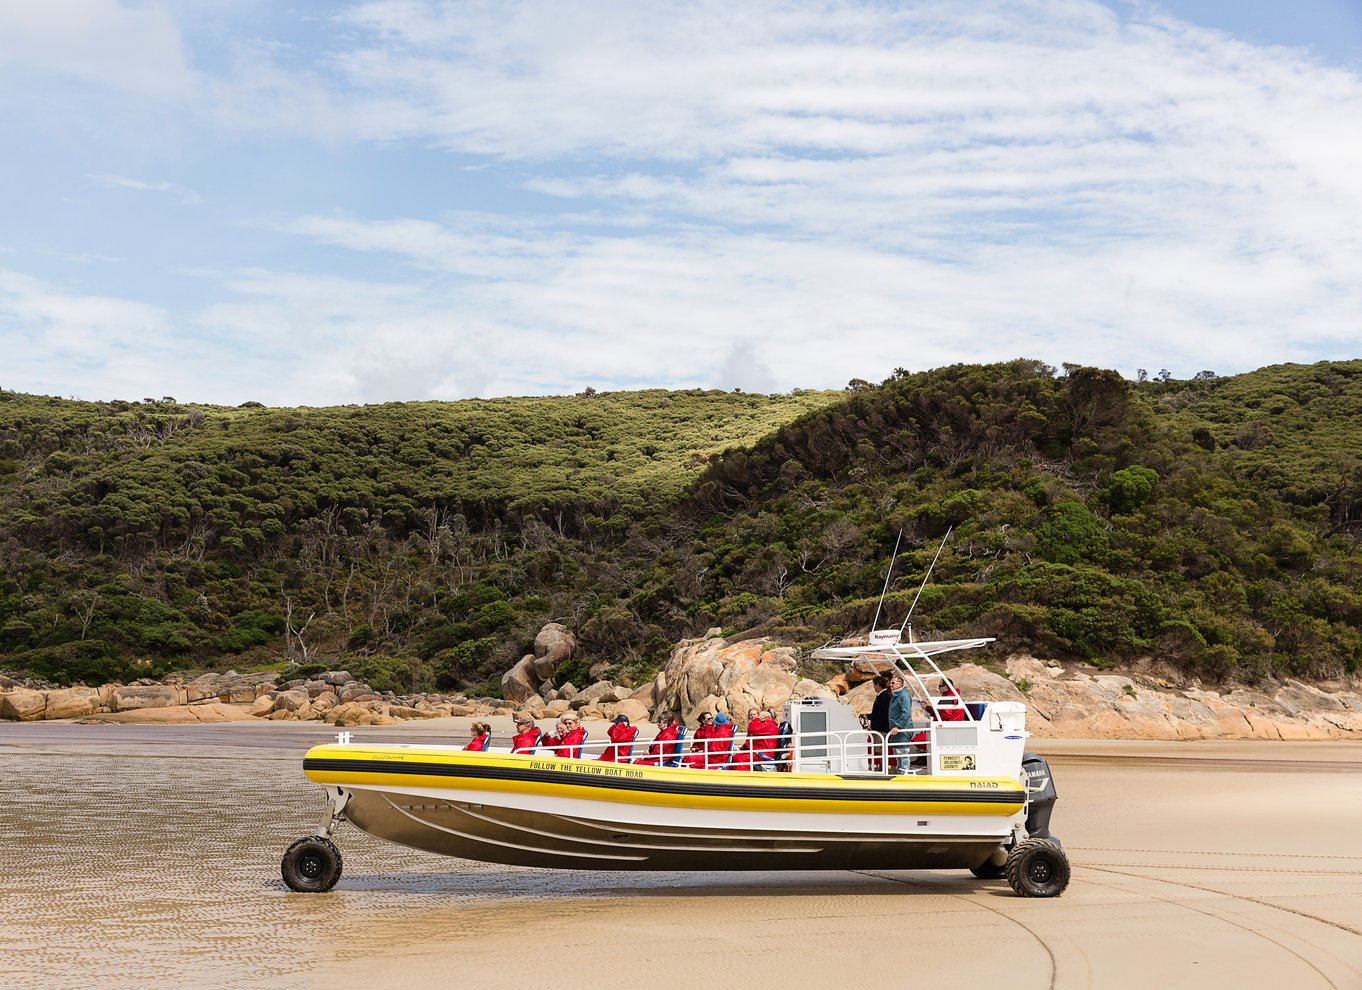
x: 85, y: 601
x: 294, y: 633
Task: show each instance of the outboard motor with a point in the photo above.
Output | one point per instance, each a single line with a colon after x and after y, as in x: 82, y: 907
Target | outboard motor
x: 1042, y: 801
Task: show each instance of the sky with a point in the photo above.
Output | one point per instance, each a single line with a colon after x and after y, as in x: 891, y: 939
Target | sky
x: 328, y: 203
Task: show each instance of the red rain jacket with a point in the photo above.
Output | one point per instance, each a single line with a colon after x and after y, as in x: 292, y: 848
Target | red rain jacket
x: 701, y: 751
x: 480, y: 743
x: 949, y: 707
x: 569, y: 745
x: 623, y: 737
x: 762, y: 736
x: 525, y: 742
x: 659, y: 752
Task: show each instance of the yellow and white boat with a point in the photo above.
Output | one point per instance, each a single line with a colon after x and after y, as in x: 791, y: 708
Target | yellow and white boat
x: 967, y: 804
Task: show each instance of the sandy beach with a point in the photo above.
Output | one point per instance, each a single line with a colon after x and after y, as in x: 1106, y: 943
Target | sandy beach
x: 142, y: 855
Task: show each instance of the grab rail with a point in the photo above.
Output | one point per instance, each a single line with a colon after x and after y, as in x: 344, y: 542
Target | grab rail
x: 860, y: 751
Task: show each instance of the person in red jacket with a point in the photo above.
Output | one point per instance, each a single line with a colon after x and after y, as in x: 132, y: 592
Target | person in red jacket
x: 949, y: 707
x: 764, y: 738
x: 527, y: 735
x: 567, y: 738
x: 482, y: 738
x: 721, y: 746
x: 622, y: 736
x: 700, y: 753
x: 758, y: 750
x: 664, y: 749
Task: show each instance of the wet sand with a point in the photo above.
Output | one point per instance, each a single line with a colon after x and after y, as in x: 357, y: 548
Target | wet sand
x: 141, y: 856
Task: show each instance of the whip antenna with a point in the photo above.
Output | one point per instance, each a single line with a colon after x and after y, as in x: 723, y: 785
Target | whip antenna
x: 925, y: 578
x: 874, y: 622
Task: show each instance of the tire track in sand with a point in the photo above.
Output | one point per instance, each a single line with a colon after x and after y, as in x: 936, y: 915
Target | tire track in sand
x: 1036, y: 936
x: 1224, y: 918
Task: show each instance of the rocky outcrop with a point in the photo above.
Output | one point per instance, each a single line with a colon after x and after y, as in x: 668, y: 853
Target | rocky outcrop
x: 714, y: 675
x: 71, y: 703
x: 212, y: 711
x: 1066, y: 702
x: 552, y: 646
x: 711, y: 674
x: 132, y: 697
x: 23, y: 704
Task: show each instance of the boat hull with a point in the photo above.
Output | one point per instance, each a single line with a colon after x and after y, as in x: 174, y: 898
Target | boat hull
x: 574, y: 814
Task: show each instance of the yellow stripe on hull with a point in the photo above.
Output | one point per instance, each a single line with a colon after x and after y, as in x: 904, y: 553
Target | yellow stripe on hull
x: 458, y: 772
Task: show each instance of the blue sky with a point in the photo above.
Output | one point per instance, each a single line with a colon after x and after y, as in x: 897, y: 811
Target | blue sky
x: 231, y: 200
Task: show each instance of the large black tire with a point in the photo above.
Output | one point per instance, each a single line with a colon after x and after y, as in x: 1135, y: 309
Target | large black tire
x: 1038, y: 868
x: 312, y: 865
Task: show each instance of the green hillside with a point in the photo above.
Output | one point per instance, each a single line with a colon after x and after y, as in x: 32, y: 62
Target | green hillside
x: 1213, y: 523
x: 153, y: 535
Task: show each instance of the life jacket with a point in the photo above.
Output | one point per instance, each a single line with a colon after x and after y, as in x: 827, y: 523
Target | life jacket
x: 525, y: 742
x: 620, y: 734
x: 479, y: 743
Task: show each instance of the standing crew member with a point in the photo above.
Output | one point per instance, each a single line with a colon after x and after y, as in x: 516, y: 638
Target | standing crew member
x: 879, y: 718
x: 900, y: 722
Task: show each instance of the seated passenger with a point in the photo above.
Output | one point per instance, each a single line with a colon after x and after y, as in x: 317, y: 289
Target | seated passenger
x: 698, y: 758
x: 664, y: 751
x: 764, y: 740
x: 527, y: 735
x: 567, y: 738
x: 482, y: 737
x: 949, y: 707
x: 622, y: 736
x: 721, y: 746
x: 761, y: 738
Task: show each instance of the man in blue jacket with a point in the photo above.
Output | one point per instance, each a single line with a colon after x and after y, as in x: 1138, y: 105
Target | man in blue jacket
x: 900, y: 723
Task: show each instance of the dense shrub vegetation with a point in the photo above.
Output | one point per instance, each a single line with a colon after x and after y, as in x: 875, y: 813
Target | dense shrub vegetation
x: 1212, y: 522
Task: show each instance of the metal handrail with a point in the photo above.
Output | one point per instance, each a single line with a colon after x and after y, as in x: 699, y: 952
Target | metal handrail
x: 860, y: 751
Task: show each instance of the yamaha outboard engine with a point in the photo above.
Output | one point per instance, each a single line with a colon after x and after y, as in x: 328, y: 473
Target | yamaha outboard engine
x: 1042, y: 801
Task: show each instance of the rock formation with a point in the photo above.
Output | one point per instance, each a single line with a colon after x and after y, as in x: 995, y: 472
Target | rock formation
x: 711, y: 674
x: 552, y: 646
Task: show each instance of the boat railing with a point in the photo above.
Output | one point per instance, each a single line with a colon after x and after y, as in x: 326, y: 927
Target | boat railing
x: 860, y: 751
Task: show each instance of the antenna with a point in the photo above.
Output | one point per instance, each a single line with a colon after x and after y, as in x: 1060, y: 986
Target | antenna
x: 925, y: 578
x: 875, y: 621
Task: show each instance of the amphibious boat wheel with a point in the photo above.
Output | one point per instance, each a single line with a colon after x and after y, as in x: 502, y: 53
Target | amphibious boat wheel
x: 312, y: 865
x: 1038, y: 868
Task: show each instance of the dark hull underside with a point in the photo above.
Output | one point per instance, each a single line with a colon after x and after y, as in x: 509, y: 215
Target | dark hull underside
x: 535, y: 838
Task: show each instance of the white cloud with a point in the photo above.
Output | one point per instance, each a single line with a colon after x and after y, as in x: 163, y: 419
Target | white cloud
x: 767, y: 196
x: 187, y: 196
x: 65, y: 343
x: 136, y: 48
